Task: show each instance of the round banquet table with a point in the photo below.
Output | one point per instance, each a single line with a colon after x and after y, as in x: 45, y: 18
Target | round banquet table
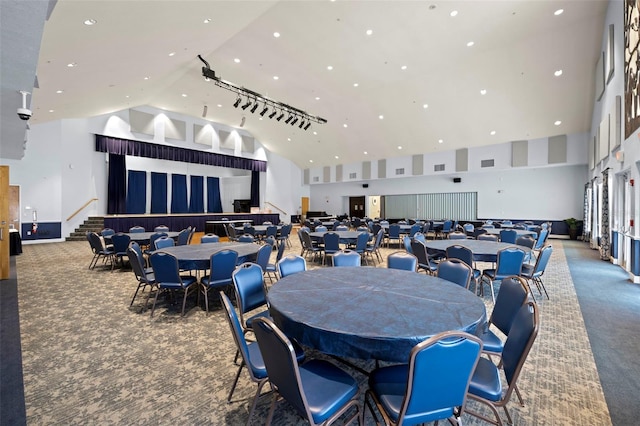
x: 370, y: 313
x: 144, y: 237
x: 484, y: 251
x: 519, y: 232
x: 198, y: 256
x: 346, y: 237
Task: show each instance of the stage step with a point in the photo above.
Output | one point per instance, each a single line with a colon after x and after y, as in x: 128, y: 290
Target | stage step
x: 92, y: 224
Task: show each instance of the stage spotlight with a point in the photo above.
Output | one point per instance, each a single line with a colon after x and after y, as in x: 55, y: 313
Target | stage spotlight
x: 307, y: 126
x: 264, y: 110
x: 288, y: 120
x: 281, y: 116
x: 295, y: 120
x: 273, y: 113
x: 247, y: 105
x: 254, y: 108
x: 237, y: 102
x: 301, y: 124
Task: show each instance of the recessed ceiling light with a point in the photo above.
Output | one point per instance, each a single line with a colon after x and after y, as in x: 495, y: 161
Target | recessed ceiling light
x: 276, y: 34
x: 126, y: 96
x: 317, y: 98
x: 329, y: 67
x: 72, y: 65
x: 493, y: 132
x: 59, y: 91
x: 311, y: 161
x: 404, y: 67
x: 50, y: 110
x: 381, y: 117
x: 369, y: 32
x: 172, y: 53
x: 219, y: 105
x: 184, y: 95
x: 471, y: 43
x: 206, y: 21
x: 453, y: 13
x: 275, y: 77
x: 440, y: 141
x: 366, y: 153
x: 425, y: 106
x: 558, y: 12
x: 236, y: 60
x: 345, y: 125
x: 90, y: 22
x: 399, y: 147
x: 336, y: 157
x: 147, y: 78
x: 315, y: 133
x: 558, y: 122
x: 355, y: 84
x: 558, y: 73
x: 289, y: 139
x: 483, y: 91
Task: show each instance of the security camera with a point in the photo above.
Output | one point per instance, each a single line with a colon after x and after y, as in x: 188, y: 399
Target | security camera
x: 24, y: 113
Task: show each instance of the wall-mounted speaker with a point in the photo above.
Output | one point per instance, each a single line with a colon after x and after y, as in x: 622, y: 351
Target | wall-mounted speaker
x: 457, y: 180
x: 365, y: 185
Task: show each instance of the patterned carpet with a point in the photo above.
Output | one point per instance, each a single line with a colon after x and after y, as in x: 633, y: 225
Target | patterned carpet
x: 89, y: 358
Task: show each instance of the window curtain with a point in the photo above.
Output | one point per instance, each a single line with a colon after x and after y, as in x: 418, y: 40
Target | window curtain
x: 605, y: 240
x: 586, y: 214
x: 137, y: 192
x: 179, y: 194
x: 158, y: 193
x: 117, y: 185
x: 196, y: 200
x: 255, y: 189
x: 214, y: 201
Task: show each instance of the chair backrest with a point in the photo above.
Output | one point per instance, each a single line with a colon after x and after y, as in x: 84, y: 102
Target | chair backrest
x: 231, y: 231
x: 440, y: 369
x: 342, y: 228
x: 282, y: 366
x: 222, y: 264
x: 346, y: 258
x: 406, y: 240
x: 419, y: 250
x: 375, y: 228
x: 255, y: 369
x: 321, y: 228
x: 154, y: 237
x: 508, y: 236
x: 487, y: 237
x: 446, y: 226
x: 136, y: 247
x: 270, y: 241
x: 457, y: 235
x: 542, y: 237
x: 281, y: 248
x: 543, y: 259
x: 248, y: 282
x: 249, y: 229
x: 285, y: 231
x: 291, y: 264
x: 209, y: 238
x: 136, y: 263
x: 107, y: 232
x: 394, y: 231
x: 136, y: 229
x: 161, y: 228
x: 163, y: 242
x: 456, y: 271
x: 379, y: 237
x: 525, y: 240
x: 416, y: 227
x: 402, y: 260
x: 192, y: 232
x: 263, y: 255
x: 478, y: 231
x: 420, y: 237
x: 361, y: 241
x: 120, y: 242
x: 246, y: 238
x: 512, y: 295
x: 468, y: 227
x: 96, y: 243
x: 183, y: 236
x: 165, y: 268
x: 521, y: 336
x: 331, y: 241
x: 463, y: 253
x: 271, y: 231
x: 509, y: 261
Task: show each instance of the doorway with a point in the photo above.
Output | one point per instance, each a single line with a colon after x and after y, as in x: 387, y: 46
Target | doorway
x: 356, y: 207
x: 14, y: 207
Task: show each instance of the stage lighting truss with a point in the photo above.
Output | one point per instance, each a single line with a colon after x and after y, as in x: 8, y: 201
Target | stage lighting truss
x: 253, y: 99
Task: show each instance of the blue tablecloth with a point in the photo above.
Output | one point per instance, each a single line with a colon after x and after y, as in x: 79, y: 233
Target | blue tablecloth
x: 483, y: 251
x: 197, y: 256
x: 370, y: 313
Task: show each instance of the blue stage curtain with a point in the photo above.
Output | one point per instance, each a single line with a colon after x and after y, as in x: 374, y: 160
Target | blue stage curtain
x: 137, y: 192
x: 214, y: 202
x: 196, y: 199
x: 174, y: 153
x: 255, y: 189
x: 158, y: 193
x: 179, y: 194
x: 117, y: 185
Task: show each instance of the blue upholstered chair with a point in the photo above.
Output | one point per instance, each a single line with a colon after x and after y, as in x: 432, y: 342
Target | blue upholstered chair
x: 533, y: 273
x: 152, y: 242
x: 465, y: 254
x: 416, y: 227
x: 374, y: 248
x: 136, y: 229
x: 183, y: 236
x: 406, y: 241
x: 527, y: 241
x: 457, y: 235
x: 209, y: 238
x: 447, y: 227
x: 271, y: 270
x: 308, y: 247
x: 455, y: 271
x: 361, y: 245
x: 161, y: 228
x: 468, y: 229
x: 509, y: 263
x: 321, y: 228
x: 285, y: 233
x: 291, y: 264
x: 144, y: 276
x: 162, y: 242
x: 508, y: 236
x: 120, y: 243
x: 487, y: 237
x: 222, y: 264
x: 486, y: 386
x: 346, y: 258
x: 393, y: 234
x: 107, y: 232
x: 99, y: 249
x: 432, y: 386
x: 248, y: 283
x: 246, y: 238
x: 262, y: 257
x: 402, y: 260
x: 424, y: 261
x: 331, y: 245
x: 318, y: 390
x: 231, y: 232
x: 167, y: 275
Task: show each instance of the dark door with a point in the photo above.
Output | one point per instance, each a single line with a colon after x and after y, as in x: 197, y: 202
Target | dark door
x: 356, y: 207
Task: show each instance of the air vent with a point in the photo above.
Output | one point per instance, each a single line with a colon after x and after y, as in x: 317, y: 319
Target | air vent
x: 353, y: 175
x: 316, y: 178
x: 487, y: 163
x: 400, y: 171
x: 438, y: 168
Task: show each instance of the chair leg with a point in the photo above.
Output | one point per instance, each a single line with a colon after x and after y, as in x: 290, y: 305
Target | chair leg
x: 271, y: 409
x: 155, y: 299
x: 255, y: 400
x: 235, y: 382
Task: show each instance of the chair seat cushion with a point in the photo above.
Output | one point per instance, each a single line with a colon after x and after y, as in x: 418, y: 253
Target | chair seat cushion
x: 206, y: 280
x: 527, y: 270
x: 389, y: 385
x: 491, y: 273
x: 328, y: 388
x: 186, y: 282
x: 491, y: 342
x: 485, y: 381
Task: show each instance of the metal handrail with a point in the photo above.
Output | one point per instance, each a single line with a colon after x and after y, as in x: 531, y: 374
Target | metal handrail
x: 278, y: 208
x: 81, y: 208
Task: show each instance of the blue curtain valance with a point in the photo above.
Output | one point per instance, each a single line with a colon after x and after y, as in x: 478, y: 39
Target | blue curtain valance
x: 174, y: 153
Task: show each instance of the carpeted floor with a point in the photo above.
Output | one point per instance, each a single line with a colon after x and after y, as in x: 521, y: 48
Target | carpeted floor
x: 89, y: 358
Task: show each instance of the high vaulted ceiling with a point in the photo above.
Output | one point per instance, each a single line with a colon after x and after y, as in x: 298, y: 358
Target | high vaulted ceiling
x: 374, y: 97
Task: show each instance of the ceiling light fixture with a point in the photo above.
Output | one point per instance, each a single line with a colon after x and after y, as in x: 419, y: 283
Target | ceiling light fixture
x: 558, y: 73
x: 253, y: 98
x: 90, y: 22
x: 308, y: 125
x: 295, y: 120
x: 558, y: 12
x: 301, y: 124
x: 289, y: 118
x: 264, y: 110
